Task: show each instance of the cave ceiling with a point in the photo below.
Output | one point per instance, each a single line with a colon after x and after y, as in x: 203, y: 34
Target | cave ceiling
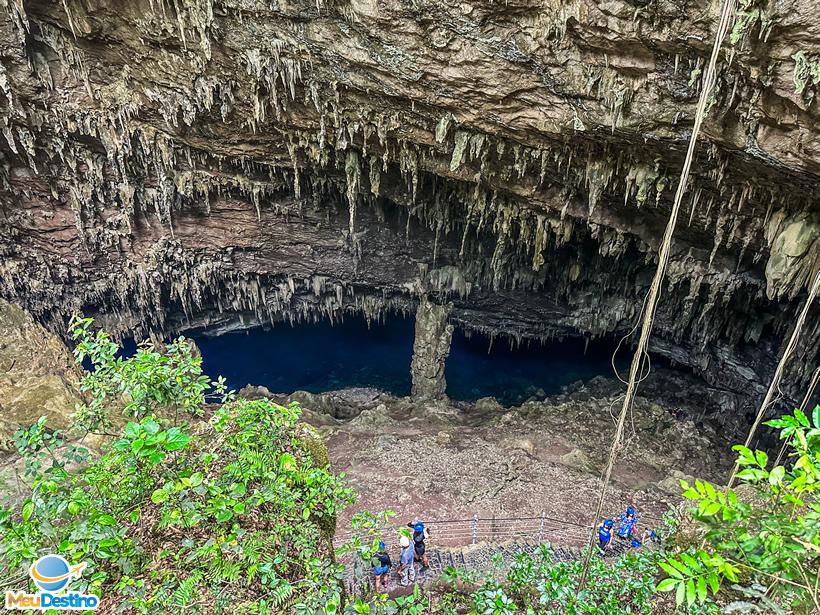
x: 169, y: 164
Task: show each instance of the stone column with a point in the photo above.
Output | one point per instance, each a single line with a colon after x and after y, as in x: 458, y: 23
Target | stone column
x: 430, y: 350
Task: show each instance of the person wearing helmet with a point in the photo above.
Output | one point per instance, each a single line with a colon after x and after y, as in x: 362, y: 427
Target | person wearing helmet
x: 627, y: 520
x: 420, y: 534
x: 380, y: 563
x: 407, y: 568
x: 605, y: 534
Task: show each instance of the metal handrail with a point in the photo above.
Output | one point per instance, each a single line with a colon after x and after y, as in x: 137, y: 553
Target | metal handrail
x: 545, y: 522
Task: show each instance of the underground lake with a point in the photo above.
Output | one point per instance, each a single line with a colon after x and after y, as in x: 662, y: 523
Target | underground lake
x: 321, y: 356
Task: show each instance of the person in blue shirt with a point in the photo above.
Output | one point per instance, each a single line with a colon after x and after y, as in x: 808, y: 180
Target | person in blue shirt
x: 407, y: 568
x: 605, y: 534
x: 627, y: 521
x: 380, y: 563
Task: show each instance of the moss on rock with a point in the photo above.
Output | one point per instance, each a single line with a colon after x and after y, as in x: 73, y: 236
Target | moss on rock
x: 314, y: 444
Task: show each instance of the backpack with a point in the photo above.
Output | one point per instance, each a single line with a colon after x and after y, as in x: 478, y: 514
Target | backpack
x: 379, y: 560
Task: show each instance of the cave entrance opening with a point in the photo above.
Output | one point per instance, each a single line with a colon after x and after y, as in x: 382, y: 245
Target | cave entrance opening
x: 320, y: 357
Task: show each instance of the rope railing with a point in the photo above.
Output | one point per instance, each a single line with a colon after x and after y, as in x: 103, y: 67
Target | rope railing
x: 475, y: 529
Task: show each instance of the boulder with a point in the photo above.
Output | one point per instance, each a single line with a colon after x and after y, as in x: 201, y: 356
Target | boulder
x: 38, y: 374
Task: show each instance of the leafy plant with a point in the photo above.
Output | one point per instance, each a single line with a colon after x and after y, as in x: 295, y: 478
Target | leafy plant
x: 168, y: 380
x: 368, y: 530
x: 535, y: 583
x: 412, y: 604
x: 771, y: 533
x: 235, y: 506
x: 693, y: 574
x: 37, y: 445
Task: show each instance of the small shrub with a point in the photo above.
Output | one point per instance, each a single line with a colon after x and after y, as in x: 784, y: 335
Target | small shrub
x: 772, y: 535
x: 234, y: 507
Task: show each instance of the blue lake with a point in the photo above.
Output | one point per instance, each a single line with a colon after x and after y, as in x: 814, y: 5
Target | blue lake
x: 319, y: 357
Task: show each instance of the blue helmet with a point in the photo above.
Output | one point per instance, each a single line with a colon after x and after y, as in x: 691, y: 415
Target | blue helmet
x: 609, y: 523
x: 635, y: 543
x: 630, y: 510
x: 418, y: 527
x: 381, y: 545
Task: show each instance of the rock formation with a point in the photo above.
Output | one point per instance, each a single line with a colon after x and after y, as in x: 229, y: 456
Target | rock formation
x: 430, y: 350
x: 38, y: 376
x: 228, y: 162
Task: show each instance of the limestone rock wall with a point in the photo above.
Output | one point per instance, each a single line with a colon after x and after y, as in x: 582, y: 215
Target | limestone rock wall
x: 170, y: 163
x: 38, y: 376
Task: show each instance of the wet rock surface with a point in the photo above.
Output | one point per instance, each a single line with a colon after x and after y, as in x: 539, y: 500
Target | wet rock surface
x: 229, y: 162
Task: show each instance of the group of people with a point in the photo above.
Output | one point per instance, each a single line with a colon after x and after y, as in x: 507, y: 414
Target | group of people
x: 627, y: 530
x: 413, y: 550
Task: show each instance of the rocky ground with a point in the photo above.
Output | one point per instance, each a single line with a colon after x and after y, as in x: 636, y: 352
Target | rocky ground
x: 450, y: 461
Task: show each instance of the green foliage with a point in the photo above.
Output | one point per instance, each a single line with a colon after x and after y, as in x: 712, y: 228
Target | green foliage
x: 693, y: 574
x: 149, y: 382
x: 412, y: 604
x: 537, y: 584
x: 232, y: 507
x: 368, y: 532
x: 36, y: 445
x: 772, y: 533
x: 747, y: 14
x: 806, y: 72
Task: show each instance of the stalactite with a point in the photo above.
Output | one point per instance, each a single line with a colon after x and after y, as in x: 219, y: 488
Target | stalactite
x: 353, y: 177
x: 461, y: 140
x: 502, y: 205
x: 598, y: 175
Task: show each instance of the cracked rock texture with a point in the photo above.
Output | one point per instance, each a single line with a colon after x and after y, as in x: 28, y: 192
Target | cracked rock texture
x: 166, y: 165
